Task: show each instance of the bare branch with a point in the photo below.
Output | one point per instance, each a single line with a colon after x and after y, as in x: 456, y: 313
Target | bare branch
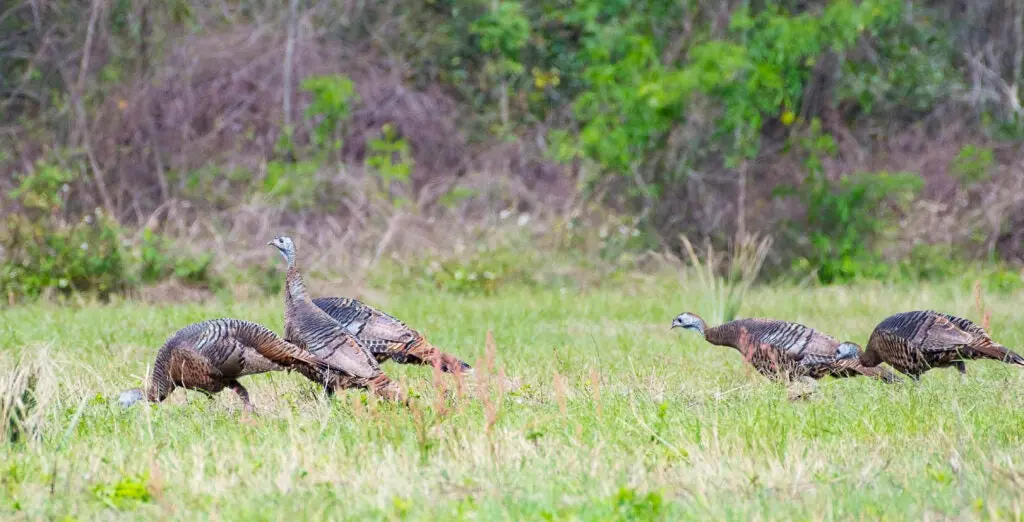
x: 289, y: 52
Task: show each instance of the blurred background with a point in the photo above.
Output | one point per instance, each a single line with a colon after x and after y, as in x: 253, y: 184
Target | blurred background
x: 152, y: 148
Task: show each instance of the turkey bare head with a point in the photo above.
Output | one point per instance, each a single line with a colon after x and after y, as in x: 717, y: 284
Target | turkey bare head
x: 847, y: 350
x: 286, y: 246
x: 130, y: 397
x: 689, y: 321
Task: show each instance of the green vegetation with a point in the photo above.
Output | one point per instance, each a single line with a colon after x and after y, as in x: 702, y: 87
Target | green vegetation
x: 681, y: 117
x: 844, y: 218
x: 529, y: 169
x: 605, y: 415
x: 46, y: 252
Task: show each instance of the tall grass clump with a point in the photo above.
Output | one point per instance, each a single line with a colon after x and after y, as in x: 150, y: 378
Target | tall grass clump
x: 25, y: 391
x: 726, y: 277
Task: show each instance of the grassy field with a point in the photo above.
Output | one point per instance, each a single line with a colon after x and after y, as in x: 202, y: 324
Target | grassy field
x: 606, y: 414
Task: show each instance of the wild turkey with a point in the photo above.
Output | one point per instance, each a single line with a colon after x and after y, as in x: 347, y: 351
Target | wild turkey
x: 385, y: 336
x: 211, y: 355
x: 784, y: 350
x: 311, y: 328
x: 915, y: 342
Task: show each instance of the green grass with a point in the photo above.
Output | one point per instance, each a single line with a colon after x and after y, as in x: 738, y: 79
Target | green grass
x: 677, y: 429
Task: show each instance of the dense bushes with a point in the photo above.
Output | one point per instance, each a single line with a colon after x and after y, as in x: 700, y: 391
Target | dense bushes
x: 43, y: 256
x: 46, y: 252
x: 822, y: 123
x: 843, y: 220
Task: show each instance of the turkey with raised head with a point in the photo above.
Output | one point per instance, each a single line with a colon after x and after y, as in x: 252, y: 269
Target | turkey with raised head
x: 309, y: 327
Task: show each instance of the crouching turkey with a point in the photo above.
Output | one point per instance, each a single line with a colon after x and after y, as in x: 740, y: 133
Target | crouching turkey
x: 915, y: 342
x: 782, y: 350
x: 212, y: 355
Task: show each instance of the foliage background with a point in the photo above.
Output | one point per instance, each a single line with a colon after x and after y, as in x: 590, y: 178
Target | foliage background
x: 601, y: 164
x: 874, y: 139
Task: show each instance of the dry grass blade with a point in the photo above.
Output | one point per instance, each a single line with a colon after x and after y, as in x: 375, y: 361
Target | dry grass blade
x: 559, y: 385
x: 460, y: 386
x: 484, y: 376
x: 979, y: 303
x: 440, y: 390
x: 25, y: 393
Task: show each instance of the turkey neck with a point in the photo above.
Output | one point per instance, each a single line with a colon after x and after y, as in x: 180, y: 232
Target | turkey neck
x: 723, y: 335
x: 295, y: 288
x: 297, y: 304
x: 869, y: 356
x: 160, y: 385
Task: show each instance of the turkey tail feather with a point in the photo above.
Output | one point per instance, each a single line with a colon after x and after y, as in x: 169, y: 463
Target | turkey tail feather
x: 998, y: 352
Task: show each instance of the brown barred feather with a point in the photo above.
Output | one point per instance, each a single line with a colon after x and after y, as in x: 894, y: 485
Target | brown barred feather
x: 314, y: 330
x: 853, y: 367
x: 782, y: 350
x: 915, y: 342
x: 385, y: 336
x: 211, y: 355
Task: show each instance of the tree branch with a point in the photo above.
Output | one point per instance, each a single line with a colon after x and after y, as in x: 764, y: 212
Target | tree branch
x: 289, y: 52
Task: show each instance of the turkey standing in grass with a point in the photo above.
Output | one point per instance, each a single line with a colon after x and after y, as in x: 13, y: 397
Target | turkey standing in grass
x: 784, y: 350
x: 385, y: 336
x: 308, y: 326
x: 915, y: 342
x: 212, y: 355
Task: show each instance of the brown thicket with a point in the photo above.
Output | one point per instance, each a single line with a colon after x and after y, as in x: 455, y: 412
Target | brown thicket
x: 156, y: 91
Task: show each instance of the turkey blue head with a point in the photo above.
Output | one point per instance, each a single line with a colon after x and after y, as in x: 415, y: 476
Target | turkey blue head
x: 286, y: 246
x: 847, y: 350
x: 689, y: 321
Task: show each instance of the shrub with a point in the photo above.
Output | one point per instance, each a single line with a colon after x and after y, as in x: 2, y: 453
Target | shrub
x: 291, y: 178
x: 929, y: 262
x: 843, y: 220
x: 157, y: 261
x: 972, y: 164
x: 333, y: 98
x: 1002, y: 280
x: 759, y: 72
x: 82, y: 257
x: 907, y: 73
x: 44, y: 253
x: 389, y: 158
x: 481, y: 272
